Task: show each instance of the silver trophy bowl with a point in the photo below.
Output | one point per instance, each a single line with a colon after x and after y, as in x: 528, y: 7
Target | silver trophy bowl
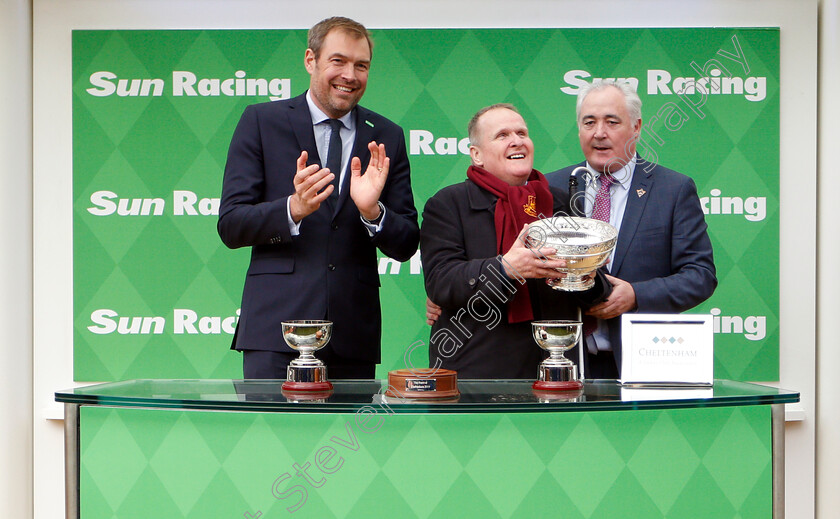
x: 584, y: 243
x: 556, y: 337
x: 307, y: 373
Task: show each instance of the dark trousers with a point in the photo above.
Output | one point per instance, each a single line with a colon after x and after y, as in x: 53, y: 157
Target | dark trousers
x: 601, y: 365
x: 273, y: 364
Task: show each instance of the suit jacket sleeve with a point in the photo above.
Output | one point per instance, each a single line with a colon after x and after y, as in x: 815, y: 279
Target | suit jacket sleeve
x: 245, y: 217
x: 451, y: 276
x: 692, y: 279
x: 400, y: 233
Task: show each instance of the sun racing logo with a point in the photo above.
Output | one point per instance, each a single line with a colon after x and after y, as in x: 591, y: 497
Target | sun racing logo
x: 421, y: 142
x: 753, y: 208
x: 754, y: 327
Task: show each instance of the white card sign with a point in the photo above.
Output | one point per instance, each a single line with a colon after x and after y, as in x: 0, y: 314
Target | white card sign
x: 667, y: 350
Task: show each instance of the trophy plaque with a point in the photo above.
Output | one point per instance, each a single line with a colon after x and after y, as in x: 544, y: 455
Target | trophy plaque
x: 557, y: 373
x: 423, y: 383
x: 584, y: 243
x: 306, y: 373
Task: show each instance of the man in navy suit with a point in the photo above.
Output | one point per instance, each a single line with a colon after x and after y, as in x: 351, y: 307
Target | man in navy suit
x: 663, y: 260
x: 295, y: 192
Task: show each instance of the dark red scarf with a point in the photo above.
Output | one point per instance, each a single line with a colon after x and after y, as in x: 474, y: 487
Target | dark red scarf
x: 517, y: 205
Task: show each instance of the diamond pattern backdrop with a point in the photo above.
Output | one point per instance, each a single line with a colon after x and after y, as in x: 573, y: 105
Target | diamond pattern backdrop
x: 704, y: 462
x: 155, y: 291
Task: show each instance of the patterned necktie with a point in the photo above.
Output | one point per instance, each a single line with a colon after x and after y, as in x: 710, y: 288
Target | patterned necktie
x: 601, y: 210
x: 334, y: 155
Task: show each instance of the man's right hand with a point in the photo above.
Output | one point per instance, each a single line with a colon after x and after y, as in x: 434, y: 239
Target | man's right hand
x: 530, y: 263
x: 313, y: 185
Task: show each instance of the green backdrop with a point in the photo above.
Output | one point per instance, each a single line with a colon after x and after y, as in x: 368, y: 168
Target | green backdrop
x: 156, y: 293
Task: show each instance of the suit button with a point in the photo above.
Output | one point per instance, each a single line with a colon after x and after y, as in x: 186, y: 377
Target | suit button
x: 471, y: 282
x: 335, y: 226
x: 331, y: 266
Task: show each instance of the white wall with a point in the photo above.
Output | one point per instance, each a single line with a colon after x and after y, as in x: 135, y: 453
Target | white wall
x: 16, y: 259
x: 828, y: 339
x: 54, y: 19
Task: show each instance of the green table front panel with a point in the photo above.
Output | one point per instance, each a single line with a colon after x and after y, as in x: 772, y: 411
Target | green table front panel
x: 675, y: 463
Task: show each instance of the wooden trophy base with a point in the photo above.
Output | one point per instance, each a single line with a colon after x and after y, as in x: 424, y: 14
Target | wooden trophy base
x: 423, y: 384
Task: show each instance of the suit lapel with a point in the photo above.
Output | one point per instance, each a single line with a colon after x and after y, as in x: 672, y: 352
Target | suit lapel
x: 481, y: 201
x: 301, y: 122
x: 637, y: 199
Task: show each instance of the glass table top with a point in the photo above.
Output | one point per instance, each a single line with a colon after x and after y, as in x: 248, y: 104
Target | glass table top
x: 476, y: 396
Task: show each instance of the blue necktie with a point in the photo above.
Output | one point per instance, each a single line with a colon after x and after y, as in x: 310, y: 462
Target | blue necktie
x: 334, y: 156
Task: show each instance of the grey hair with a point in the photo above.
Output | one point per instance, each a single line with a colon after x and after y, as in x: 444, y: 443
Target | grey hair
x: 631, y: 98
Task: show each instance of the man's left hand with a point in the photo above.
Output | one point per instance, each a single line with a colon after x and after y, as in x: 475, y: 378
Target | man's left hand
x: 365, y: 189
x: 622, y: 300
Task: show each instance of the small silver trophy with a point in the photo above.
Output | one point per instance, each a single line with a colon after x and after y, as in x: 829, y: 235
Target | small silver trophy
x: 557, y: 373
x: 584, y: 243
x: 306, y: 373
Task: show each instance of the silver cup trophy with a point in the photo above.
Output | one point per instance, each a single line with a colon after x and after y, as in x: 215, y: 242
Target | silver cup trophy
x: 306, y: 373
x: 584, y: 243
x: 557, y: 373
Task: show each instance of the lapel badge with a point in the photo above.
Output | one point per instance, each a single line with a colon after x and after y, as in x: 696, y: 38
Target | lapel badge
x: 640, y: 192
x: 369, y: 123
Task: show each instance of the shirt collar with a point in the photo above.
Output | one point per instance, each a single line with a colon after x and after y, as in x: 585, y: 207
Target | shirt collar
x: 318, y: 116
x: 622, y: 177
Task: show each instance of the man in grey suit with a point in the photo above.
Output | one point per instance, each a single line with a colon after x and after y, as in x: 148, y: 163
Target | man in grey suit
x: 663, y: 260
